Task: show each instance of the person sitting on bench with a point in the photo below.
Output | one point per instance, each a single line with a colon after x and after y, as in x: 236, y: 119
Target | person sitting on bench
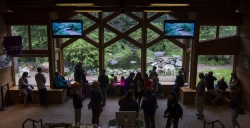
x: 60, y: 83
x: 25, y: 88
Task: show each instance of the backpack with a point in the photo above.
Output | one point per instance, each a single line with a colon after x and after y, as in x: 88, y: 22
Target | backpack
x: 179, y: 110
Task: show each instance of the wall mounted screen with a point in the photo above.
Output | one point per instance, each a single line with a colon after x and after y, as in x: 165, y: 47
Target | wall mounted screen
x: 66, y: 28
x: 179, y: 28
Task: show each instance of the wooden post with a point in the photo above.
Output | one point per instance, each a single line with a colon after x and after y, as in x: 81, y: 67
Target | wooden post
x: 195, y: 46
x: 144, y: 42
x: 101, y: 43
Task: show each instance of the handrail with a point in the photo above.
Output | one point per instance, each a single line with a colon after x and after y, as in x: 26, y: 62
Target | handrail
x: 33, y: 122
x: 205, y: 122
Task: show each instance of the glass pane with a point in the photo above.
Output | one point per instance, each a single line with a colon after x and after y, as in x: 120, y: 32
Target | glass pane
x: 30, y: 64
x: 207, y: 32
x: 121, y: 58
x: 220, y: 65
x: 151, y: 35
x: 227, y: 31
x: 94, y: 35
x: 159, y: 22
x: 136, y: 35
x: 86, y: 21
x: 139, y: 14
x: 65, y: 39
x: 21, y: 31
x: 39, y: 36
x: 81, y: 50
x: 167, y: 57
x: 122, y: 22
x: 94, y: 14
x: 149, y: 14
x: 105, y: 14
x: 108, y: 35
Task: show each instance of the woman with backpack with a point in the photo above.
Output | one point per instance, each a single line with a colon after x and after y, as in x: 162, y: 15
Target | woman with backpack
x: 173, y: 111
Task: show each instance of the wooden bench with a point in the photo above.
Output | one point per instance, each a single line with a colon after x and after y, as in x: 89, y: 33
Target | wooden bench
x: 55, y: 96
x: 187, y: 96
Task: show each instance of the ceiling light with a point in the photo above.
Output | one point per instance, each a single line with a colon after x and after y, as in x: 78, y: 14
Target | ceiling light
x: 75, y: 4
x: 157, y: 11
x: 88, y: 11
x: 164, y: 4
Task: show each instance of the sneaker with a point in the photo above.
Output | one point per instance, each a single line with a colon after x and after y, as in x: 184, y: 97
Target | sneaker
x: 200, y: 117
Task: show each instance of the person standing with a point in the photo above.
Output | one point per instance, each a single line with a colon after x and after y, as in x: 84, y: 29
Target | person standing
x: 104, y: 82
x: 77, y: 103
x: 210, y: 88
x: 199, y: 97
x: 127, y: 103
x: 235, y: 102
x: 149, y: 109
x: 95, y: 101
x: 78, y: 73
x: 173, y: 111
x: 109, y: 89
x: 179, y: 82
x: 139, y: 86
x: 129, y: 82
x: 85, y: 83
x: 151, y: 75
x: 114, y: 84
x: 122, y: 83
x: 148, y: 82
x: 40, y: 82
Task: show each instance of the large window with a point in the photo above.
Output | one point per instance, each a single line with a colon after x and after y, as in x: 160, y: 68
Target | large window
x: 30, y: 64
x: 207, y: 33
x: 220, y: 65
x: 38, y: 36
x: 227, y: 31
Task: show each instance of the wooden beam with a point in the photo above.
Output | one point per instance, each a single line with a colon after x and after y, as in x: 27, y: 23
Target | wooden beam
x: 178, y: 43
x: 133, y: 16
x: 86, y: 38
x: 90, y: 29
x: 110, y: 17
x: 155, y: 16
x: 68, y: 42
x: 112, y: 41
x: 154, y: 41
x: 90, y: 16
x: 101, y: 42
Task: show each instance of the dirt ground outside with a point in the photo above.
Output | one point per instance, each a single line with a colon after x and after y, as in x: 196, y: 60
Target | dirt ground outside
x: 200, y: 68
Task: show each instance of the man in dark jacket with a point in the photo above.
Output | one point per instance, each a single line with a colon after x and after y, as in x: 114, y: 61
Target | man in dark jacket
x: 104, y: 82
x: 149, y: 108
x: 179, y: 82
x: 127, y: 103
x: 78, y: 72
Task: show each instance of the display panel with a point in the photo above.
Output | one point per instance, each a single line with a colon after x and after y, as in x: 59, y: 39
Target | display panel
x: 66, y: 28
x: 179, y: 28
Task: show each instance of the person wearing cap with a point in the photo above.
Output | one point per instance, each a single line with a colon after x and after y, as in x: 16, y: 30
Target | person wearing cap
x: 95, y: 101
x: 235, y: 103
x: 172, y: 112
x: 210, y: 88
x: 40, y: 82
x: 149, y: 108
x: 78, y: 73
x: 199, y: 97
x: 104, y: 83
x: 77, y: 102
x: 127, y: 103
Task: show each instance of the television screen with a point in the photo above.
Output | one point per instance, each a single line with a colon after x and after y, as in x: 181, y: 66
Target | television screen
x: 179, y: 28
x: 66, y: 28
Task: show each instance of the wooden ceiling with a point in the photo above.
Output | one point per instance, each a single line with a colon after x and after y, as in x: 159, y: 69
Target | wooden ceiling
x: 127, y: 5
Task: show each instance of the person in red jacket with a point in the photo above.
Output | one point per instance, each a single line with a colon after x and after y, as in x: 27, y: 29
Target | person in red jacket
x: 148, y: 82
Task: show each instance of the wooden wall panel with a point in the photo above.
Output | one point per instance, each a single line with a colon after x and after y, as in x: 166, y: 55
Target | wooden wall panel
x: 245, y: 30
x: 244, y: 44
x: 223, y: 46
x: 208, y: 18
x: 246, y: 19
x: 27, y: 18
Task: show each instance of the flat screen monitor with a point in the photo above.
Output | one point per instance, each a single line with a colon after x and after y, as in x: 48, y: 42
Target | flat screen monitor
x: 126, y: 118
x: 179, y: 28
x: 66, y: 28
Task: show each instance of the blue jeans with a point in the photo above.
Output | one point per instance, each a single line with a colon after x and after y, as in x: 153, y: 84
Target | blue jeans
x: 149, y: 121
x: 234, y: 116
x: 104, y: 94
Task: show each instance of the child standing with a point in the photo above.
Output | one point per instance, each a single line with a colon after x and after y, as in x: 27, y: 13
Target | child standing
x: 77, y: 102
x: 40, y: 82
x: 114, y: 84
x: 122, y: 83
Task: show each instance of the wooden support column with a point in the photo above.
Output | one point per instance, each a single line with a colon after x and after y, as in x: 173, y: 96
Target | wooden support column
x: 51, y: 49
x: 60, y: 61
x: 144, y: 42
x: 101, y: 43
x: 194, y: 53
x: 186, y: 57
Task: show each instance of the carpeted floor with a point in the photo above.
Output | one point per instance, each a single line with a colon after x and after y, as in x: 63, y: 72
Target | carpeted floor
x: 57, y: 113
